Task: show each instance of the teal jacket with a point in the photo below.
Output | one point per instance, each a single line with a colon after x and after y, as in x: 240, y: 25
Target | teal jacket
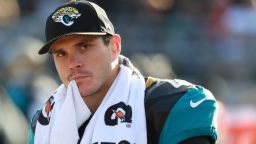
x: 177, y: 110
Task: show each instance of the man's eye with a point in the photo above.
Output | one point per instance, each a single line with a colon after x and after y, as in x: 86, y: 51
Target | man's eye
x: 84, y: 46
x: 59, y: 54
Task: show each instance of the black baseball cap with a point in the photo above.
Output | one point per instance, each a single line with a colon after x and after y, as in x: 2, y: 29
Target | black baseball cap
x: 78, y: 17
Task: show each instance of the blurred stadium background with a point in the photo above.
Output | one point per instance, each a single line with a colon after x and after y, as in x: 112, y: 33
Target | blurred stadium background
x: 207, y: 42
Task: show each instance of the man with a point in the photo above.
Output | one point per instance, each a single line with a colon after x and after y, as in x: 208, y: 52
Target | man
x: 104, y: 99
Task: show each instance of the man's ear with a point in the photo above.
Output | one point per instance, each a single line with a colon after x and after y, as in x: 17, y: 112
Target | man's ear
x: 116, y: 45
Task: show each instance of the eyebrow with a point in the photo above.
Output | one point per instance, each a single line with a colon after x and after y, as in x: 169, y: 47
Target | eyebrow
x: 80, y: 43
x: 84, y: 41
x: 53, y: 49
x: 56, y: 50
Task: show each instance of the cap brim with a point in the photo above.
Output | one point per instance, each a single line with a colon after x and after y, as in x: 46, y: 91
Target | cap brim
x: 47, y: 46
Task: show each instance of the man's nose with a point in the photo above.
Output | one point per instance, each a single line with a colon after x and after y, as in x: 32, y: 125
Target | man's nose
x: 74, y: 62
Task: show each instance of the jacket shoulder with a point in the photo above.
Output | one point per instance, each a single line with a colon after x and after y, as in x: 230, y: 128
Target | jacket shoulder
x: 161, y: 87
x: 160, y: 96
x: 168, y: 103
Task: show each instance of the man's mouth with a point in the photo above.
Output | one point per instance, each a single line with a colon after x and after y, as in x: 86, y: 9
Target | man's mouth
x: 78, y: 78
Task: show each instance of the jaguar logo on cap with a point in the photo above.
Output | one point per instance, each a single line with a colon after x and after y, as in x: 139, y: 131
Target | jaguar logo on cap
x: 66, y: 15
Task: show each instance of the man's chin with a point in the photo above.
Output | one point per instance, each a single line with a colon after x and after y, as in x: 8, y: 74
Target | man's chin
x: 83, y: 91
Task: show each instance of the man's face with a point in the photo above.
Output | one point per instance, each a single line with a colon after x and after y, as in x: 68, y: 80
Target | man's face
x: 87, y: 60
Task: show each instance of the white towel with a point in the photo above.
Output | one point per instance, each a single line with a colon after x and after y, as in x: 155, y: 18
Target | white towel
x: 119, y: 118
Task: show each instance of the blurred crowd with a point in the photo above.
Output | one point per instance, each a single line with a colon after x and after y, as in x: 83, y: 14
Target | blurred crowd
x: 207, y: 42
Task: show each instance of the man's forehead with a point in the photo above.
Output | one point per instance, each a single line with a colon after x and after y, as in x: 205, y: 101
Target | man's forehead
x: 75, y: 38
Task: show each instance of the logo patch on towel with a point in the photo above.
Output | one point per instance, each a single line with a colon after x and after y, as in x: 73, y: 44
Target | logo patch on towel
x: 66, y: 15
x: 45, y: 115
x: 118, y: 113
